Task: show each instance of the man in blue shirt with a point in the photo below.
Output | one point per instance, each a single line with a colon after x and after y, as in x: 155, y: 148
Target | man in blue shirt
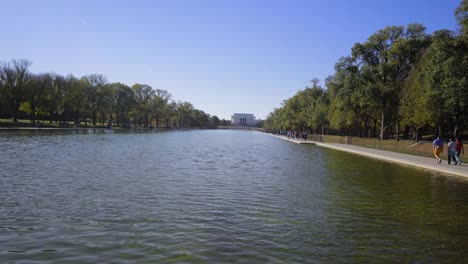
x: 438, y: 146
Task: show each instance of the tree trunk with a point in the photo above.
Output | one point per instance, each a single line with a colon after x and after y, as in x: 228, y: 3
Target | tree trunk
x: 167, y: 122
x: 406, y: 132
x: 398, y: 131
x: 33, y: 113
x: 77, y: 116
x: 14, y: 111
x: 359, y: 128
x: 367, y: 128
x: 417, y: 134
x: 94, y: 117
x: 110, y: 121
x: 374, y: 128
x: 382, y: 127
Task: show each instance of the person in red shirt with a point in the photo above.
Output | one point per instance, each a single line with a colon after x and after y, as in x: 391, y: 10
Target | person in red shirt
x: 459, y: 150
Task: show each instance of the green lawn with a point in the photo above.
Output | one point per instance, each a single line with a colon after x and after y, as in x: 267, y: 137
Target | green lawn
x: 43, y: 124
x: 423, y: 148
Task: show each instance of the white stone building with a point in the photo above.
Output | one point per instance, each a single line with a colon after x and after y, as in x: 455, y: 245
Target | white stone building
x: 240, y: 119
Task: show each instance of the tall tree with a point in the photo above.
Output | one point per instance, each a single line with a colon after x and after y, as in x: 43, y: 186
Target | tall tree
x: 125, y: 102
x: 159, y: 104
x: 461, y: 14
x: 73, y: 103
x: 349, y: 107
x: 170, y: 113
x: 143, y: 95
x: 14, y: 77
x: 386, y: 58
x: 415, y: 110
x: 35, y: 96
x: 214, y: 121
x: 93, y: 83
x: 107, y: 100
x: 55, y: 89
x: 445, y: 76
x: 184, y: 114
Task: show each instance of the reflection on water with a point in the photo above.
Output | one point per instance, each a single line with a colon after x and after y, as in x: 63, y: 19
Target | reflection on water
x: 390, y: 212
x: 217, y: 196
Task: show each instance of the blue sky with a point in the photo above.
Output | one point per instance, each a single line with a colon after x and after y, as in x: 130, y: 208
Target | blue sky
x: 223, y: 56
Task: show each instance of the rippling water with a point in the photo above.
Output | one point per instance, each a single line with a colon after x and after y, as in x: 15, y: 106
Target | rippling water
x: 219, y: 196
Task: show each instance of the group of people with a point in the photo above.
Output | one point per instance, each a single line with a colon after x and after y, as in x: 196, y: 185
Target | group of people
x: 298, y: 135
x: 454, y: 149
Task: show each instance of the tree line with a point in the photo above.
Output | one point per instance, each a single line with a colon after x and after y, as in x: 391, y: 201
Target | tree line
x: 91, y: 99
x: 400, y: 81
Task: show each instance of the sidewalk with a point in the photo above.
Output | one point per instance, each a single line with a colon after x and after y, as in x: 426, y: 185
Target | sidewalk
x: 405, y: 159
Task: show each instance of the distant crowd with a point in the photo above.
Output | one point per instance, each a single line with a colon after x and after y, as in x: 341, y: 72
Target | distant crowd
x: 292, y: 134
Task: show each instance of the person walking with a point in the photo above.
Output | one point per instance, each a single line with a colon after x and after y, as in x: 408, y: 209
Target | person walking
x: 451, y: 151
x: 438, y: 147
x: 459, y: 150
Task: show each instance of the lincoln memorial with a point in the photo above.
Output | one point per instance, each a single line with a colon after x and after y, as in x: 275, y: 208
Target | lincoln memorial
x: 238, y: 119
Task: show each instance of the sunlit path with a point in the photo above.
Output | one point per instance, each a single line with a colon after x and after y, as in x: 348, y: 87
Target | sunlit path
x: 405, y: 159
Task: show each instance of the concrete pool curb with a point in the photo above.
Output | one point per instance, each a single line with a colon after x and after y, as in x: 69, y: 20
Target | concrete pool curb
x: 394, y: 157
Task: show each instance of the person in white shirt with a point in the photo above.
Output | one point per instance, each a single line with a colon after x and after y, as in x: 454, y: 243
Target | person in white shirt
x: 452, y: 149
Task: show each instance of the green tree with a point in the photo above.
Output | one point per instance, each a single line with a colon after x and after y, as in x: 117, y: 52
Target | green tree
x: 184, y: 112
x: 461, y: 14
x: 170, y: 113
x: 75, y: 96
x: 306, y: 110
x: 214, y: 121
x: 445, y: 77
x: 143, y: 96
x: 386, y: 59
x: 199, y: 119
x: 349, y: 107
x: 415, y: 110
x: 55, y: 90
x: 125, y: 102
x: 14, y: 77
x: 107, y: 101
x: 159, y: 104
x: 315, y: 103
x: 35, y: 96
x: 93, y: 83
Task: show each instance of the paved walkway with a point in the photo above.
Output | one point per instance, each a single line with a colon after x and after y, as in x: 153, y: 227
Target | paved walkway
x: 411, y: 160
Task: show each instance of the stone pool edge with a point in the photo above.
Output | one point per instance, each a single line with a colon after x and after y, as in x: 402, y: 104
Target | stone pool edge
x: 394, y: 157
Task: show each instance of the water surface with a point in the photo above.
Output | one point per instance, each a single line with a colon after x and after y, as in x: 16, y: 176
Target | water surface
x: 218, y: 196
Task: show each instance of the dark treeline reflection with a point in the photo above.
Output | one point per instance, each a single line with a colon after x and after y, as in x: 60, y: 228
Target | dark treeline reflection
x: 91, y: 99
x: 400, y: 81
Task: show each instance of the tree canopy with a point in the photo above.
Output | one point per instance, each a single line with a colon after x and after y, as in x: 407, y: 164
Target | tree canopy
x: 399, y: 77
x: 91, y: 99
